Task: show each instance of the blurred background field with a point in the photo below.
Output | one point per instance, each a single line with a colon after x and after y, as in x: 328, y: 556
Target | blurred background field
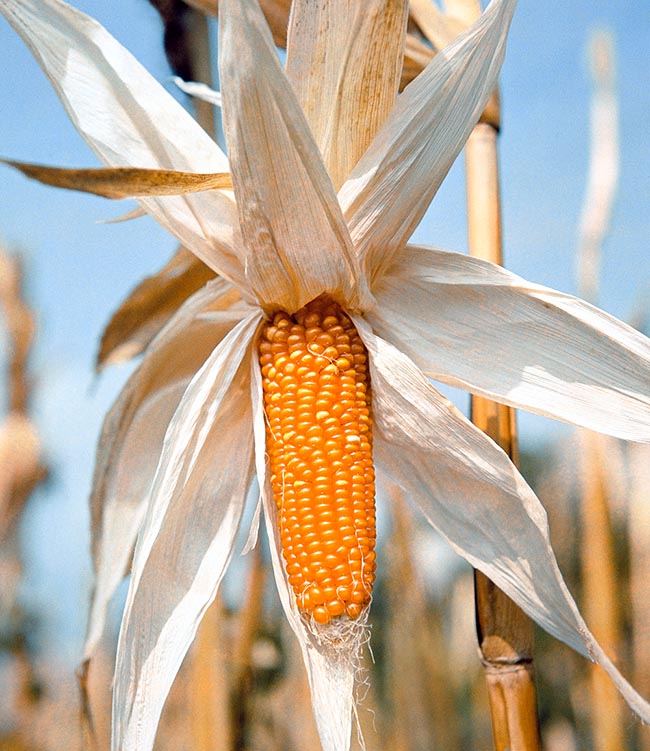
x: 425, y: 688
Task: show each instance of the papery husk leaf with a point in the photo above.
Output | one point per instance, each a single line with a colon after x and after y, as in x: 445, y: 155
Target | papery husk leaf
x: 123, y: 182
x: 286, y: 203
x: 469, y: 490
x: 188, y: 535
x: 390, y: 189
x: 129, y: 120
x: 416, y: 54
x: 474, y: 325
x: 344, y: 61
x: 151, y: 304
x: 132, y: 438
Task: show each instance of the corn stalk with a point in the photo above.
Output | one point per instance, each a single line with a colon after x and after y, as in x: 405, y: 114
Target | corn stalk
x: 601, y: 594
x: 505, y: 634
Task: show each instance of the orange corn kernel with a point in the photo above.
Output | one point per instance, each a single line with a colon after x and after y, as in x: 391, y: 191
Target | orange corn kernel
x: 319, y: 441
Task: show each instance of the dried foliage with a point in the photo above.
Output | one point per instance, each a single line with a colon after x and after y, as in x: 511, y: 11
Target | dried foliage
x: 21, y: 470
x: 124, y: 182
x: 148, y: 308
x: 177, y: 34
x: 20, y: 452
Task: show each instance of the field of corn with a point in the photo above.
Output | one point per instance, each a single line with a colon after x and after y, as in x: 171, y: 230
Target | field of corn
x: 274, y: 427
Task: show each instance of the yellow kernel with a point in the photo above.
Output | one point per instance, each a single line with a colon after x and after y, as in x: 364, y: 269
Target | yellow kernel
x: 321, y: 615
x: 335, y: 607
x: 319, y: 442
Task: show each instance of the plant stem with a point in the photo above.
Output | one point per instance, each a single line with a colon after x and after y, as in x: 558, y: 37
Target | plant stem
x: 210, y: 722
x: 600, y: 591
x: 505, y: 634
x: 242, y: 650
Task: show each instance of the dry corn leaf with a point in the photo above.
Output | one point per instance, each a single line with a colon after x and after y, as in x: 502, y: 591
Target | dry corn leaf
x: 416, y: 55
x: 124, y: 182
x: 148, y: 308
x: 347, y: 79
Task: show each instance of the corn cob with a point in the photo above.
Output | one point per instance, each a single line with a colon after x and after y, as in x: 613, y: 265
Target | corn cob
x: 319, y: 442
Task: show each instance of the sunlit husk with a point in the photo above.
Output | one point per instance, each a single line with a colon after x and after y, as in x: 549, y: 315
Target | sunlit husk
x: 150, y: 306
x: 187, y: 537
x: 132, y: 439
x: 468, y: 489
x: 515, y: 342
x: 354, y: 51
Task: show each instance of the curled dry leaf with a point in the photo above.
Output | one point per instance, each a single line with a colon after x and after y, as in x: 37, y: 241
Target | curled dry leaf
x: 124, y: 182
x: 416, y: 54
x: 148, y: 308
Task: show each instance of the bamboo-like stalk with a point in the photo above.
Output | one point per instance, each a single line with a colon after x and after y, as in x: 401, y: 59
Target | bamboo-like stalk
x: 639, y: 536
x: 423, y: 703
x: 505, y: 634
x: 248, y: 624
x: 21, y: 471
x: 600, y: 590
x: 600, y: 593
x: 210, y: 721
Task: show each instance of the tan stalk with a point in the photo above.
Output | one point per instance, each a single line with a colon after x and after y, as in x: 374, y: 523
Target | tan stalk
x: 292, y: 715
x: 601, y: 594
x: 242, y: 661
x: 209, y: 686
x: 639, y: 536
x: 505, y: 634
x: 422, y: 697
x: 22, y: 470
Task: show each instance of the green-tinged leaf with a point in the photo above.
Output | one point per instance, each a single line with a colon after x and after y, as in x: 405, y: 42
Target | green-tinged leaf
x: 124, y: 182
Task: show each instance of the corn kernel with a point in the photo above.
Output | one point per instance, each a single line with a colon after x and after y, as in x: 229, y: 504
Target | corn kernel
x: 317, y: 402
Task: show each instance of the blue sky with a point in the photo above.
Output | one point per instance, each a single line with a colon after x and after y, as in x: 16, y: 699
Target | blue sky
x: 79, y: 270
